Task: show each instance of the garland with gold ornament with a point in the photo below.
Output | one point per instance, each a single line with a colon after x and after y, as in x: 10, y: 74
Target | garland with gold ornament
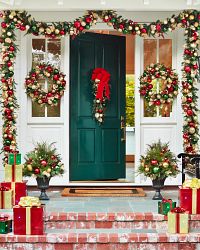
x: 34, y: 88
x: 168, y: 87
x: 187, y: 19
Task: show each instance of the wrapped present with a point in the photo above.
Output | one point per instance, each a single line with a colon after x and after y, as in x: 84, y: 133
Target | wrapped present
x: 192, y: 183
x: 18, y: 190
x: 14, y: 159
x: 6, y: 199
x: 178, y: 221
x: 13, y: 173
x: 165, y: 206
x: 5, y: 225
x: 28, y: 217
x: 189, y: 199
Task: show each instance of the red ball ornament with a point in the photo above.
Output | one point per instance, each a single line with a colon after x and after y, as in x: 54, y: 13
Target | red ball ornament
x: 49, y: 69
x: 187, y: 69
x: 10, y: 92
x: 12, y: 48
x: 62, y: 32
x: 144, y: 30
x: 49, y: 94
x: 186, y: 51
x: 150, y: 86
x: 3, y: 25
x: 185, y: 136
x: 9, y: 63
x: 189, y: 99
x: 81, y: 28
x: 192, y: 124
x: 195, y: 66
x: 37, y: 171
x: 77, y: 24
x: 22, y: 28
x: 189, y: 149
x: 189, y: 112
x: 88, y: 19
x: 121, y: 26
x: 158, y: 27
x: 44, y: 163
x: 157, y: 102
x: 154, y: 162
x: 143, y: 92
x: 170, y: 89
x: 184, y: 21
x: 56, y: 77
x: 10, y: 136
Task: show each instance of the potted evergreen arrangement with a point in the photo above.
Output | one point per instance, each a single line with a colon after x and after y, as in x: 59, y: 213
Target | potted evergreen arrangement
x: 158, y: 163
x: 43, y: 162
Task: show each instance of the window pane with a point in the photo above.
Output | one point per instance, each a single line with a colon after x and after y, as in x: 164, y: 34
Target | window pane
x: 54, y: 52
x: 53, y: 111
x: 38, y: 51
x: 149, y: 51
x: 38, y: 110
x: 165, y: 52
x: 130, y: 101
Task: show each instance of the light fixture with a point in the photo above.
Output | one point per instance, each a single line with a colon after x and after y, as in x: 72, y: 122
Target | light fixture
x: 189, y: 2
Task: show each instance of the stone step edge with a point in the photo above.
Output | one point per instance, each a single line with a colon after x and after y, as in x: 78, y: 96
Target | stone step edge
x: 101, y: 238
x: 118, y: 216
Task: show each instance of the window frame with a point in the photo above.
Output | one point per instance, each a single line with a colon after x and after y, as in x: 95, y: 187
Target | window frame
x: 45, y: 119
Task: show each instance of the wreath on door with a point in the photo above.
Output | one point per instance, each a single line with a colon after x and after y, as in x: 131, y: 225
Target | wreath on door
x: 34, y: 87
x: 101, y: 90
x: 168, y: 84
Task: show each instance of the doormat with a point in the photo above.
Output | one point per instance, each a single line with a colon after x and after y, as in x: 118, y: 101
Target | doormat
x: 103, y: 192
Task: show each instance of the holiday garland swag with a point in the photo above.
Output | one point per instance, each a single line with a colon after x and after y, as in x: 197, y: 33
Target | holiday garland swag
x: 168, y: 84
x: 34, y: 89
x: 188, y: 20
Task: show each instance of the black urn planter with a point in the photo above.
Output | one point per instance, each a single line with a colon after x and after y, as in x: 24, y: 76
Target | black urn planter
x: 43, y: 184
x: 158, y: 184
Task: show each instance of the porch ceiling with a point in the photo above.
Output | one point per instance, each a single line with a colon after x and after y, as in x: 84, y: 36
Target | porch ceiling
x: 127, y: 5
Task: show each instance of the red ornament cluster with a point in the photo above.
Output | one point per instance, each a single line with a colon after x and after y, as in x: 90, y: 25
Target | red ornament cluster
x: 169, y: 88
x: 34, y: 89
x: 101, y: 88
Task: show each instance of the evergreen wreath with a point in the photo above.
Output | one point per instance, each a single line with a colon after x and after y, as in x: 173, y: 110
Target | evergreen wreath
x: 169, y: 87
x: 34, y: 88
x: 101, y: 89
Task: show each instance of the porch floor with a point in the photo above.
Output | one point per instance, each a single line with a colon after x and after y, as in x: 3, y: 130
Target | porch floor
x: 104, y: 204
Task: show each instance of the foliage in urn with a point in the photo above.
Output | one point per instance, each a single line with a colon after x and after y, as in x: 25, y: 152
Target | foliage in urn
x: 42, y: 161
x: 158, y: 162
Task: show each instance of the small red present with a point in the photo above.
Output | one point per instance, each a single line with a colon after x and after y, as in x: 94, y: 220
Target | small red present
x: 6, y: 200
x: 18, y: 189
x: 28, y: 217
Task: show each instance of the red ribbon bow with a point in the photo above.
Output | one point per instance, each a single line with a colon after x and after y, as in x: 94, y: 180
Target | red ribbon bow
x: 103, y: 86
x: 166, y: 200
x: 178, y: 210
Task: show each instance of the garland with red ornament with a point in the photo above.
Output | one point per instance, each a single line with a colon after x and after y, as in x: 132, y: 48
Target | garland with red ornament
x: 168, y: 87
x: 101, y: 90
x: 187, y: 19
x: 34, y: 88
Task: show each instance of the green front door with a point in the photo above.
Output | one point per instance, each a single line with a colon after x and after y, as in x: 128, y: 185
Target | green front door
x: 96, y: 152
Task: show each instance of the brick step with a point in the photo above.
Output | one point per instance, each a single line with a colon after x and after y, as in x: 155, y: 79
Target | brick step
x: 112, y: 220
x: 96, y: 240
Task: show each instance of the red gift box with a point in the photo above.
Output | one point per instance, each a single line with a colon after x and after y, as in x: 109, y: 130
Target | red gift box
x: 18, y: 188
x: 189, y: 199
x: 28, y: 220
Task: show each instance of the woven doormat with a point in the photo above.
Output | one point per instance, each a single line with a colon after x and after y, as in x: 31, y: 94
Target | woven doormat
x: 102, y: 192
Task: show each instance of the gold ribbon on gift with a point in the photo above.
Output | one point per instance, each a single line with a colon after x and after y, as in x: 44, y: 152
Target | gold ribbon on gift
x: 193, y: 183
x: 194, y: 200
x: 28, y: 220
x: 29, y: 201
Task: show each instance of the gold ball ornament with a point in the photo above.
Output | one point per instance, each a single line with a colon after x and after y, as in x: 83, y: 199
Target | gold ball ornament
x: 191, y: 17
x: 146, y: 169
x: 29, y: 167
x: 165, y: 164
x: 191, y: 130
x: 49, y: 170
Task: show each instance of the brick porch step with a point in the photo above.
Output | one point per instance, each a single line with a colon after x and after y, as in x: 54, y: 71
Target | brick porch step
x: 112, y: 220
x: 101, y: 241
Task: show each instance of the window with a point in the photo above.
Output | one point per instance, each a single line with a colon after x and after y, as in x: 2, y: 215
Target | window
x: 157, y: 51
x: 48, y: 51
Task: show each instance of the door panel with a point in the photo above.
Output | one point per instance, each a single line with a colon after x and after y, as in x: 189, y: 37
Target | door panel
x: 96, y: 152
